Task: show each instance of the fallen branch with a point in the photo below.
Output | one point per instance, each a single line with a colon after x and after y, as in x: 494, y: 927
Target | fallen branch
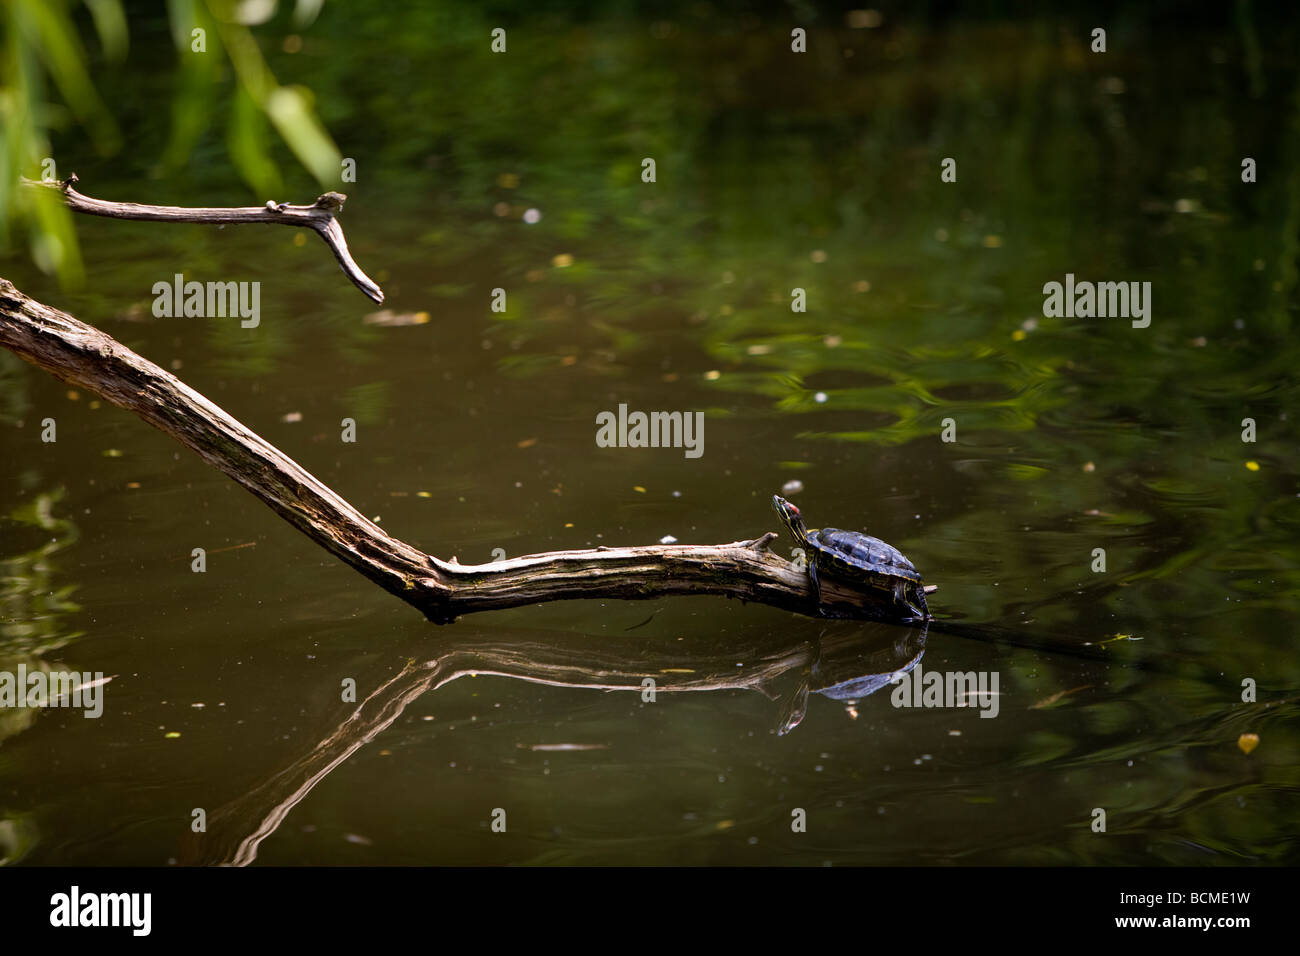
x: 88, y: 358
x: 320, y: 216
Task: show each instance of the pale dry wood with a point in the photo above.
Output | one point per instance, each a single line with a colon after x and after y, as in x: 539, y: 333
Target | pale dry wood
x: 88, y: 358
x: 320, y: 216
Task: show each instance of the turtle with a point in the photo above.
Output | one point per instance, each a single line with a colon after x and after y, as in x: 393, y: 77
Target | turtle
x: 859, y: 559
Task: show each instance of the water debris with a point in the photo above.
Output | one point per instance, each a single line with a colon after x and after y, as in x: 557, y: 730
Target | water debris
x: 290, y: 417
x: 358, y: 839
x: 667, y: 539
x: 1049, y: 701
x: 1252, y: 465
x: 676, y: 670
x: 792, y: 487
x: 388, y: 318
x: 1112, y: 640
x: 1248, y: 742
x: 526, y: 443
x: 86, y: 686
x: 549, y: 748
x: 232, y: 547
x: 532, y: 216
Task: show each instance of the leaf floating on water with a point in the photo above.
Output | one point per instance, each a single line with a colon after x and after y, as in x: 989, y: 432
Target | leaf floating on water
x: 1248, y: 742
x: 726, y: 824
x: 290, y: 417
x: 1112, y: 640
x: 172, y: 735
x: 86, y: 686
x: 388, y: 318
x: 112, y: 453
x: 526, y: 443
x: 358, y: 839
x: 1252, y: 465
x: 1049, y: 701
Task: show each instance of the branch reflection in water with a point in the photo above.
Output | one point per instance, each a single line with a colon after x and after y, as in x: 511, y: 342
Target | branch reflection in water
x: 848, y: 661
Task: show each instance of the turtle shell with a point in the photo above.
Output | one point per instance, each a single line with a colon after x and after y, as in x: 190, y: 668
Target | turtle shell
x: 859, y: 555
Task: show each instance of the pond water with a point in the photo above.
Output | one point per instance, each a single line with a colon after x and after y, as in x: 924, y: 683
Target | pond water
x: 1118, y: 689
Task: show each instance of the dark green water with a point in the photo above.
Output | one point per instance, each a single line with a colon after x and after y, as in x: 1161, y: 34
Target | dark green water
x: 476, y: 432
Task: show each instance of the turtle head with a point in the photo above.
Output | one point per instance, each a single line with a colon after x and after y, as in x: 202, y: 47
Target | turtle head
x: 790, y: 517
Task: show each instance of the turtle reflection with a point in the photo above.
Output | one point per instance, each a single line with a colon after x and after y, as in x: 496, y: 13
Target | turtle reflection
x: 846, y: 661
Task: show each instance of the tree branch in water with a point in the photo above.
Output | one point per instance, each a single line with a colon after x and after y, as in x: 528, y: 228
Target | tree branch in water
x: 320, y: 216
x: 88, y: 358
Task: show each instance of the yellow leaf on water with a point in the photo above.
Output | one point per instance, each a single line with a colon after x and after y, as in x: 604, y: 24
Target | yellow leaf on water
x: 172, y: 734
x: 726, y: 824
x: 1252, y: 465
x: 1248, y: 742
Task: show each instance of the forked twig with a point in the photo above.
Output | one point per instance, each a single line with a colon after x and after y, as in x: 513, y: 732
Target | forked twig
x: 320, y: 216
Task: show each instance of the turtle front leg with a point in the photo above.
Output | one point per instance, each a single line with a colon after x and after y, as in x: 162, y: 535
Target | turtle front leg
x: 904, y: 600
x: 816, y: 586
